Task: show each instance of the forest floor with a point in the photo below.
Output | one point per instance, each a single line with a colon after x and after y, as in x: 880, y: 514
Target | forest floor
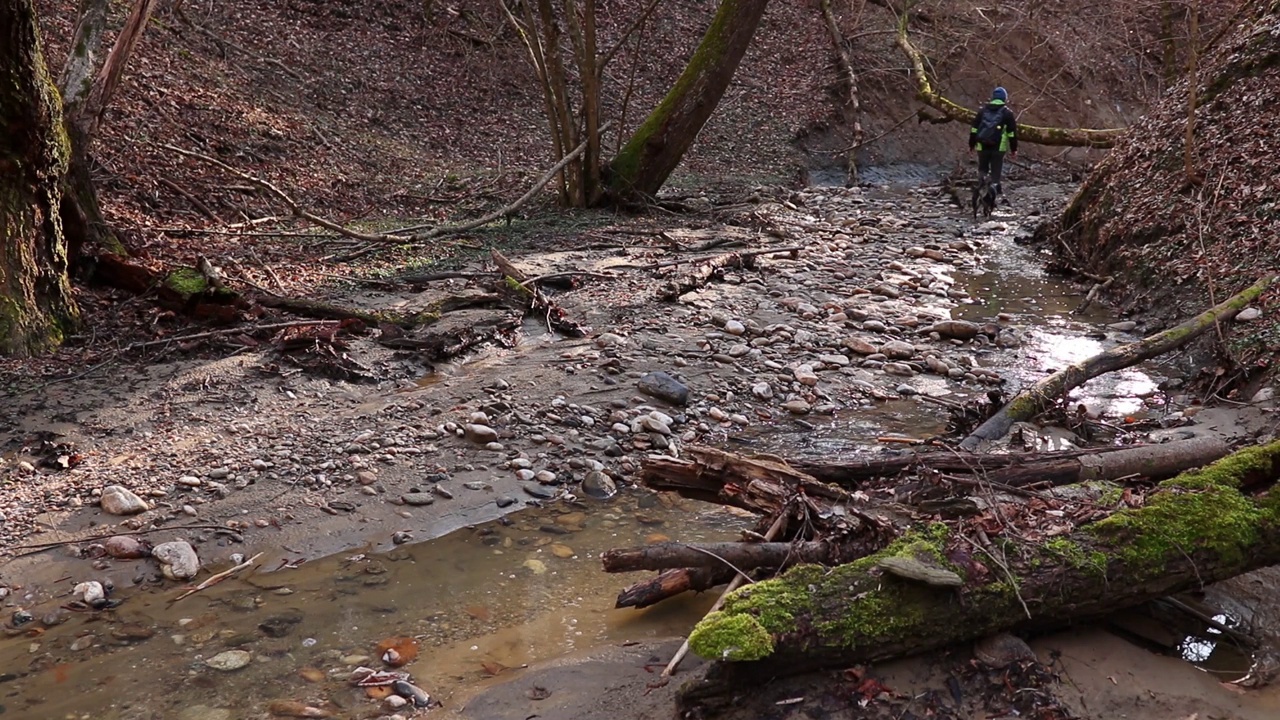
x: 237, y: 448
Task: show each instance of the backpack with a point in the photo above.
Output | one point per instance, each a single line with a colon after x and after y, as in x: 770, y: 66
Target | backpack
x: 991, y: 125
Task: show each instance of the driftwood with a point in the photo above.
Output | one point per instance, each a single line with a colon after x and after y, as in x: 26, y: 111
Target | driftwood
x: 1042, y: 395
x: 1155, y: 462
x: 538, y: 301
x: 705, y: 269
x: 670, y: 583
x: 741, y: 556
x: 852, y: 527
x: 1198, y: 528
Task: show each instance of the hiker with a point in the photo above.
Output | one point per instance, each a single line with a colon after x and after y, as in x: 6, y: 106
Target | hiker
x: 993, y: 133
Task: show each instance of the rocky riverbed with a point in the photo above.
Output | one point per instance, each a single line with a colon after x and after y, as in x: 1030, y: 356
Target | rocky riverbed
x: 892, y: 295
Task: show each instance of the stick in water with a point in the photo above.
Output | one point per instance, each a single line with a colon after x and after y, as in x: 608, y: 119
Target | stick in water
x: 734, y: 584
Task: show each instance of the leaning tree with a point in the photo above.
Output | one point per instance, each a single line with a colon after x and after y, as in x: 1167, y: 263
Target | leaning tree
x: 36, y: 306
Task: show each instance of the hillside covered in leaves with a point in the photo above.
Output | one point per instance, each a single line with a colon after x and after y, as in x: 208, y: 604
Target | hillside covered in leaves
x: 1180, y: 235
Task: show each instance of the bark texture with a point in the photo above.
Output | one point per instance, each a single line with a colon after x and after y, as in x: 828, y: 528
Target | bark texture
x: 1197, y: 528
x: 37, y: 309
x: 654, y: 151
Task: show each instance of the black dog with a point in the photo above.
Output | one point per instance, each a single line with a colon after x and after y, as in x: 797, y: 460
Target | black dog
x: 984, y: 198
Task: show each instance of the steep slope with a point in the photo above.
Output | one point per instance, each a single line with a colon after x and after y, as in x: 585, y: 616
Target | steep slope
x: 1176, y: 244
x: 375, y: 110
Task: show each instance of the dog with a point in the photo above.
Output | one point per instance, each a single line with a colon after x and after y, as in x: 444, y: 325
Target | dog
x: 984, y: 198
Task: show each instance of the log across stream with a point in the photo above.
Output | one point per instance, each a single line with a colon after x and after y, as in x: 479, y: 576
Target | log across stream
x: 1196, y: 528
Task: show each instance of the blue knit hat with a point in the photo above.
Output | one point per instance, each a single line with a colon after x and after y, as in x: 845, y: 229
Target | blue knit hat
x: 1000, y: 94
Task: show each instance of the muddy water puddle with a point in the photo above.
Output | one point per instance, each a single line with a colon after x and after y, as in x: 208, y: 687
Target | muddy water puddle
x: 479, y: 603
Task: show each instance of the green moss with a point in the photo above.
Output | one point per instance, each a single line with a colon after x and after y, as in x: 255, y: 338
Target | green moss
x: 1077, y: 556
x: 1177, y: 521
x: 731, y: 637
x: 784, y: 604
x: 625, y: 167
x: 1239, y: 468
x: 186, y: 282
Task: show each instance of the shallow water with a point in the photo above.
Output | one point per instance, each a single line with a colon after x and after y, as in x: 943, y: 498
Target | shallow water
x: 479, y: 602
x: 488, y: 599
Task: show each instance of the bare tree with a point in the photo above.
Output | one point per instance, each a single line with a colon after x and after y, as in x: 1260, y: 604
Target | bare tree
x: 36, y: 307
x: 87, y: 89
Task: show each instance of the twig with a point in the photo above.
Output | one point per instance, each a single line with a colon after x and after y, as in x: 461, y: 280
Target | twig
x: 734, y: 584
x: 39, y: 547
x: 271, y: 272
x: 294, y: 207
x: 227, y: 331
x: 195, y: 201
x: 1013, y: 582
x: 219, y: 577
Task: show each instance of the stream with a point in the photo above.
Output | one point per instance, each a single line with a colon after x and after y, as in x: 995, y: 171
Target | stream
x: 483, y: 602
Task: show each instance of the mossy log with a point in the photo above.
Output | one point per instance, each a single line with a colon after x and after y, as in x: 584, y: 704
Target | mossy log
x: 1043, y: 394
x: 1200, y: 527
x: 653, y: 152
x: 1068, y: 137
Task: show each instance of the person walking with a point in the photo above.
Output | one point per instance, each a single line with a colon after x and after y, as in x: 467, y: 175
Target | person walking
x: 993, y: 133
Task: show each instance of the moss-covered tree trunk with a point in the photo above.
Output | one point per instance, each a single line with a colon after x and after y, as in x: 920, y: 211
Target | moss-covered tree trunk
x: 654, y: 151
x: 36, y: 305
x: 1197, y: 528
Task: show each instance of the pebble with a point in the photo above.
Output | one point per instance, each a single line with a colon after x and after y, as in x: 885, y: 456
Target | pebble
x: 664, y: 387
x: 860, y: 346
x: 805, y: 375
x: 1249, y: 314
x: 733, y: 327
x: 417, y: 498
x: 897, y: 350
x: 796, y: 407
x: 229, y: 660
x: 539, y: 491
x: 598, y: 485
x: 480, y: 433
x: 178, y: 560
x: 119, y: 500
x: 762, y: 390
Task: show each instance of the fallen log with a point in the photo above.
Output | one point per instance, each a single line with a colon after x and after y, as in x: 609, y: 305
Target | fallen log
x: 1043, y: 394
x: 743, y: 556
x: 706, y: 268
x: 761, y: 484
x: 539, y: 302
x: 670, y: 583
x: 926, y: 93
x: 1155, y: 462
x: 1200, y: 527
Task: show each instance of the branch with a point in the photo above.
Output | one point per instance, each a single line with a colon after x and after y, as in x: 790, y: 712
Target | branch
x: 1041, y: 396
x: 437, y: 232
x: 108, y: 78
x: 1068, y: 137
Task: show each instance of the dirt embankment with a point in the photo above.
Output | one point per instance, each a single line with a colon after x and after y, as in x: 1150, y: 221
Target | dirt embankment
x: 376, y: 111
x: 1177, y: 240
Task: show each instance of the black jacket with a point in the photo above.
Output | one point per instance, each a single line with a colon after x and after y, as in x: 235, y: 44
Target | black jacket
x: 1009, y: 139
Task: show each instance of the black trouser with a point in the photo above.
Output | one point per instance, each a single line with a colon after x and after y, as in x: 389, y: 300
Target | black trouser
x: 991, y: 163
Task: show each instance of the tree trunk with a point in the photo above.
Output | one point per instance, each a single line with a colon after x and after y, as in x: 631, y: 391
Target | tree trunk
x: 927, y: 94
x: 1200, y: 527
x: 1155, y: 462
x: 657, y: 146
x: 36, y: 306
x: 86, y: 92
